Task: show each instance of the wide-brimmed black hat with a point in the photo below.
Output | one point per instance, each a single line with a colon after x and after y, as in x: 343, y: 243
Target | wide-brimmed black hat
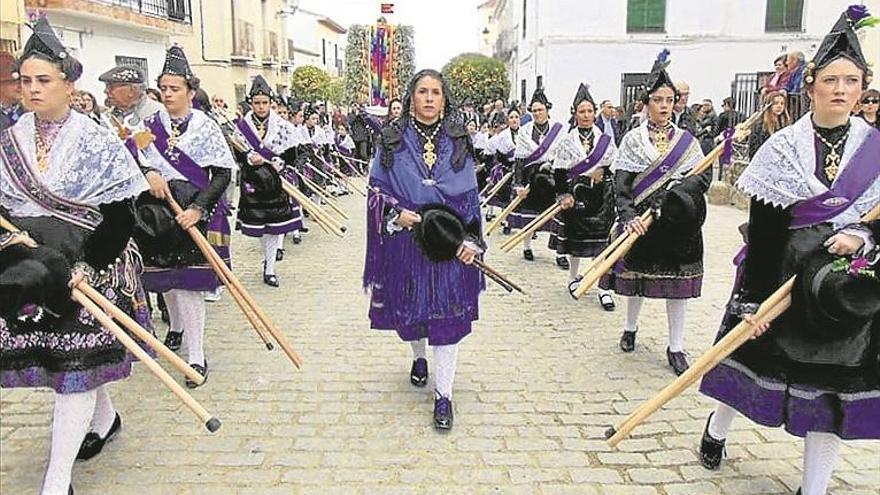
x: 833, y: 304
x: 262, y: 182
x: 36, y: 276
x: 156, y: 224
x: 440, y: 233
x: 682, y: 207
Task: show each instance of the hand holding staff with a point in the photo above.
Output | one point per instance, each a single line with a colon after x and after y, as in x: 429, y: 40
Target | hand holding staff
x: 769, y: 310
x: 505, y: 213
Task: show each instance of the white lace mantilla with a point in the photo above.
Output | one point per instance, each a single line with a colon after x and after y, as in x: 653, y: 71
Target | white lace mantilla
x: 203, y: 141
x: 280, y: 134
x: 503, y: 142
x: 637, y: 152
x: 525, y: 146
x: 480, y: 141
x: 782, y: 172
x: 571, y: 151
x: 88, y: 164
x: 346, y: 143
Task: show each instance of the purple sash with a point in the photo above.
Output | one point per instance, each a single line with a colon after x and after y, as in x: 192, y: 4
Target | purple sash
x: 253, y: 140
x: 545, y: 145
x: 22, y: 176
x: 595, y: 156
x: 859, y: 174
x: 218, y: 225
x: 655, y: 176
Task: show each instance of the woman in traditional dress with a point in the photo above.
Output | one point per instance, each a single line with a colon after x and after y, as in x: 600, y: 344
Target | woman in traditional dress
x: 425, y: 158
x: 502, y: 146
x: 649, y: 173
x: 265, y: 211
x: 816, y: 372
x: 536, y: 144
x: 69, y: 184
x: 189, y: 160
x: 585, y: 189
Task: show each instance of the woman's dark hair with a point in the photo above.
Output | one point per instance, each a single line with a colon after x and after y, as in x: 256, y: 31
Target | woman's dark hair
x: 390, y: 103
x: 69, y: 65
x: 201, y: 100
x: 155, y: 92
x: 192, y: 83
x: 95, y: 109
x: 451, y: 122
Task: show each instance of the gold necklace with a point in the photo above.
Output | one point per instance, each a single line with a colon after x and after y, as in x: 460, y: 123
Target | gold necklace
x: 429, y: 155
x: 661, y: 139
x: 832, y: 159
x: 586, y: 141
x: 175, y: 134
x: 42, y: 153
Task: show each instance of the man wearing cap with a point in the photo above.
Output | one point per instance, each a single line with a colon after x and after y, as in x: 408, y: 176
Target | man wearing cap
x: 10, y: 93
x: 125, y: 87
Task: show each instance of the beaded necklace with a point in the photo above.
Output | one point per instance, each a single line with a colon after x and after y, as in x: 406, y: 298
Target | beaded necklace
x: 832, y: 159
x: 429, y: 148
x: 45, y: 132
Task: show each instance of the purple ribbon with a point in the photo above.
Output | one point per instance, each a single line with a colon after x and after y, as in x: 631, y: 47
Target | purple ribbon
x: 860, y: 173
x: 727, y: 153
x: 496, y: 173
x: 667, y: 166
x: 545, y: 145
x: 376, y: 204
x: 587, y: 164
x: 253, y: 140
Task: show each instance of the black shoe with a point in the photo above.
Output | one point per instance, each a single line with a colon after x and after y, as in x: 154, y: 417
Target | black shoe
x: 202, y: 370
x: 534, y: 235
x: 573, y: 285
x: 528, y: 255
x: 678, y: 361
x: 712, y: 450
x: 607, y: 301
x: 297, y: 239
x: 279, y: 255
x: 628, y: 341
x: 562, y: 262
x: 173, y: 340
x: 70, y: 490
x: 271, y: 280
x: 506, y: 230
x: 304, y: 230
x: 418, y: 374
x: 93, y: 444
x: 165, y: 316
x: 490, y: 217
x: 443, y: 413
x: 799, y: 492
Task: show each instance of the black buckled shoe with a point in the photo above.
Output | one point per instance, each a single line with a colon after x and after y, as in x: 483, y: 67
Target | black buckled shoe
x: 200, y: 369
x: 528, y: 255
x: 173, y: 340
x: 93, y: 444
x: 271, y: 280
x: 712, y: 450
x: 279, y: 255
x: 573, y: 285
x: 678, y: 361
x: 506, y: 230
x: 562, y: 262
x: 418, y: 374
x: 443, y: 413
x: 607, y: 301
x: 628, y: 341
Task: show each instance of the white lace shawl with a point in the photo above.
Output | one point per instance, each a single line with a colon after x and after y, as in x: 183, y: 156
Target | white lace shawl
x: 503, y: 142
x: 346, y: 143
x: 280, y: 134
x: 318, y: 138
x: 525, y: 146
x: 203, y: 141
x: 782, y: 172
x: 571, y: 151
x: 481, y: 141
x: 87, y: 164
x: 637, y: 153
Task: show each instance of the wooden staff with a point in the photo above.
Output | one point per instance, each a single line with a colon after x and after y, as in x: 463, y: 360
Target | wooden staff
x: 351, y: 158
x: 324, y: 219
x: 323, y: 194
x: 348, y: 160
x: 500, y: 279
x: 626, y: 239
x: 240, y: 294
x: 346, y: 179
x: 140, y: 332
x: 532, y: 227
x: 211, y: 422
x: 768, y: 311
x: 496, y: 188
x: 504, y: 214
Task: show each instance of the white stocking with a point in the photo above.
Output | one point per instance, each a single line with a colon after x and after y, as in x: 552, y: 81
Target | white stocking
x: 574, y: 264
x: 633, y: 308
x: 175, y: 318
x: 675, y: 314
x: 271, y: 243
x: 419, y: 348
x: 190, y: 306
x: 70, y: 423
x: 105, y: 414
x: 719, y: 425
x: 445, y: 357
x: 527, y: 243
x: 821, y: 451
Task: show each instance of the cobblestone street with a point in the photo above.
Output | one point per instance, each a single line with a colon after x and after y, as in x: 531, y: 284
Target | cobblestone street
x: 538, y: 382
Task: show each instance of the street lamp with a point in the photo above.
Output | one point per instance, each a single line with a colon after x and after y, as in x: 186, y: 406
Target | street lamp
x: 292, y: 7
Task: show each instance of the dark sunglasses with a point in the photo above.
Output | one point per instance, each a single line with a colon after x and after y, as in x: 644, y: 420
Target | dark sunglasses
x: 868, y: 101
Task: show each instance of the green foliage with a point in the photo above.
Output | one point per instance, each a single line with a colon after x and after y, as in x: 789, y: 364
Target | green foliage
x: 310, y: 83
x: 336, y: 91
x: 406, y: 63
x: 356, y: 63
x: 476, y: 77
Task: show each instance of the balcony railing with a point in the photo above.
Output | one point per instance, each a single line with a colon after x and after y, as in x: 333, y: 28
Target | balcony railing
x: 174, y: 10
x: 244, y: 40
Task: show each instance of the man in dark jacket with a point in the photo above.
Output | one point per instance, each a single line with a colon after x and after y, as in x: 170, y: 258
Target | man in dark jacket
x: 360, y: 132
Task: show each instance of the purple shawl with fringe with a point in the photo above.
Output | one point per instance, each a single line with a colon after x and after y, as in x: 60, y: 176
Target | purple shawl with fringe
x: 410, y: 288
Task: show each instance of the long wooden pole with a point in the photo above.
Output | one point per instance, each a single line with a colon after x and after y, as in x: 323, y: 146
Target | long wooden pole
x: 504, y: 214
x: 532, y: 227
x: 496, y: 188
x: 210, y: 421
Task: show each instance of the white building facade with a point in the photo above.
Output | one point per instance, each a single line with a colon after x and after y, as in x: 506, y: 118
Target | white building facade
x: 560, y: 43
